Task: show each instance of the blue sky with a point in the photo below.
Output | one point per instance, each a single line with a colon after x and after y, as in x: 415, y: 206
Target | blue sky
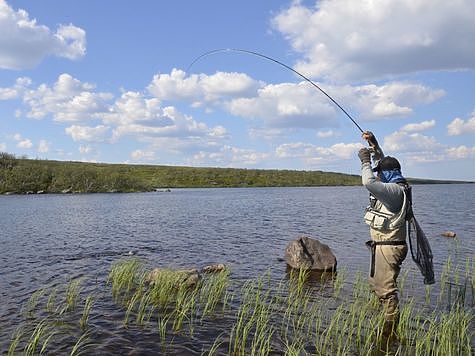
x: 108, y: 81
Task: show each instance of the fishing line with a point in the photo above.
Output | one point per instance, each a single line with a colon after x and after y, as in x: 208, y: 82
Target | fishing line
x: 280, y: 63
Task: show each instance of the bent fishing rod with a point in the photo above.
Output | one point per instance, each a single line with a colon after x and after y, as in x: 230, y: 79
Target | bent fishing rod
x: 206, y: 54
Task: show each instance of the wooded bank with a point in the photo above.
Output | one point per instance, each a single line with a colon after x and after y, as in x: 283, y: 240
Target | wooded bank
x: 22, y: 175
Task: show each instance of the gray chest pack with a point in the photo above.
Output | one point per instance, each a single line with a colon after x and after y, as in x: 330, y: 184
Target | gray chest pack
x: 380, y: 218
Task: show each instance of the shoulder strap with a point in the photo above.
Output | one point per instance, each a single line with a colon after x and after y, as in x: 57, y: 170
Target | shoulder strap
x: 408, y: 193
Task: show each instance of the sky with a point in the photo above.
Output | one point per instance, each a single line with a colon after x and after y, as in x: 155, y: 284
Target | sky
x: 110, y: 81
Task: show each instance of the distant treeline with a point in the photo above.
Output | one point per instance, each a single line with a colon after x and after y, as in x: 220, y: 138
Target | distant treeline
x: 22, y: 176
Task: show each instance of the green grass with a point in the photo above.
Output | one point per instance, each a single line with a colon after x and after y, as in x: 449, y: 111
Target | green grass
x: 213, y: 292
x: 39, y: 339
x: 82, y: 345
x: 125, y: 276
x: 88, y: 304
x: 72, y: 294
x: 303, y: 314
x: 16, y: 338
x: 33, y: 302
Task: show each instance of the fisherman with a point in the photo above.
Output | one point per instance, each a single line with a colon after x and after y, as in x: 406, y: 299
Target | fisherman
x: 386, y: 216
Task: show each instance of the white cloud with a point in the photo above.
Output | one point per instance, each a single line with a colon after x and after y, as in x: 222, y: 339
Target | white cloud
x: 326, y: 134
x: 218, y: 131
x: 133, y: 114
x: 3, y: 146
x: 230, y: 157
x: 421, y: 126
x: 72, y: 41
x: 16, y: 90
x: 25, y: 143
x: 27, y: 42
x: 182, y: 145
x: 390, y: 109
x: 413, y: 147
x: 159, y: 122
x: 140, y: 155
x: 85, y: 149
x: 133, y: 107
x: 312, y: 154
x: 286, y: 105
x: 299, y: 105
x: 68, y: 100
x: 267, y: 133
x: 86, y: 133
x: 22, y: 142
x: 458, y: 126
x: 346, y: 39
x: 145, y: 119
x: 8, y: 93
x: 388, y: 100
x: 401, y: 141
x: 43, y: 146
x: 461, y: 152
x: 202, y: 87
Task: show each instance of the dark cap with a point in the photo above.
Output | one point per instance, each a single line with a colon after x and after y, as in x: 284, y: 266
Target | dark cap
x: 388, y: 163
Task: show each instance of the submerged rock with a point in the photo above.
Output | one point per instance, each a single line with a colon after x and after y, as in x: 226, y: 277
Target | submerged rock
x: 186, y: 277
x: 307, y: 252
x: 214, y: 268
x: 449, y: 234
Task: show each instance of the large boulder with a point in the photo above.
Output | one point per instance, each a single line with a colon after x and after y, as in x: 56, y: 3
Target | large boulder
x: 309, y: 253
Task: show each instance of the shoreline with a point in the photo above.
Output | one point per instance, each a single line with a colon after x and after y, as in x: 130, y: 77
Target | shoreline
x: 170, y: 189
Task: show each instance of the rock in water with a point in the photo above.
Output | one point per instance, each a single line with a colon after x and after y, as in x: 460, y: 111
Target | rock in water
x: 214, y: 268
x: 185, y: 277
x: 449, y: 234
x: 307, y: 252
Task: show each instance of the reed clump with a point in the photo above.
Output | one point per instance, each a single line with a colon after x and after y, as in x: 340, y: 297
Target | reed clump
x: 47, y: 322
x: 174, y: 298
x: 301, y: 314
x: 299, y: 319
x: 126, y: 276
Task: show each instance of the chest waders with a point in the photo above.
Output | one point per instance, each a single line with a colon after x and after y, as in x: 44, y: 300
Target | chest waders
x: 372, y: 247
x: 379, y: 218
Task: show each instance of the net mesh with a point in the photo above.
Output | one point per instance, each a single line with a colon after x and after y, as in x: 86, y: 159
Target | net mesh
x: 419, y: 244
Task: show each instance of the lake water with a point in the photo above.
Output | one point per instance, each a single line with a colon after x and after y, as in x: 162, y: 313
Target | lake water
x: 48, y: 239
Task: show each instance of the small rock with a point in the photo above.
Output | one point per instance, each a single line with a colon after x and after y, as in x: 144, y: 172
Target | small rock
x: 214, y: 268
x: 187, y: 277
x: 449, y: 234
x: 153, y: 275
x: 192, y: 279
